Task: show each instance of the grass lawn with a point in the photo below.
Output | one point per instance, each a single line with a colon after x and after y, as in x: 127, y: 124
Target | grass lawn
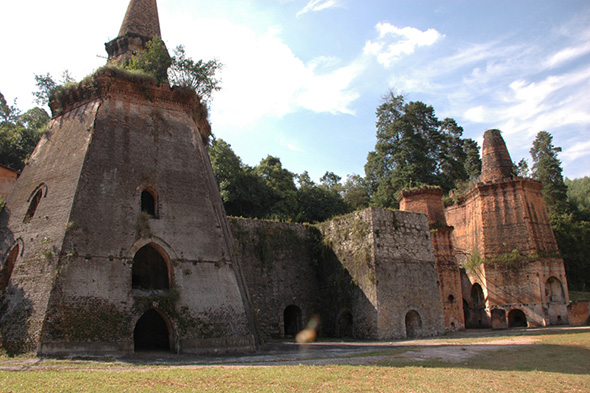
x: 547, y: 362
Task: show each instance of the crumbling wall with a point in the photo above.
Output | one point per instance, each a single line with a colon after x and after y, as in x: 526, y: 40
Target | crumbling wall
x: 280, y: 262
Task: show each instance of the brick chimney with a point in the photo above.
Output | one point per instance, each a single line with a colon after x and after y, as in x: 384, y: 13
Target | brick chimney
x: 140, y: 25
x: 496, y: 162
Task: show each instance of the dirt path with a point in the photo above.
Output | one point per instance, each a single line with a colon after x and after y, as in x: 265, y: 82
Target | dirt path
x: 456, y: 347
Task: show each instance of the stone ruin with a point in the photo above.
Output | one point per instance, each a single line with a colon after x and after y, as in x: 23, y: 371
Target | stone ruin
x: 114, y: 240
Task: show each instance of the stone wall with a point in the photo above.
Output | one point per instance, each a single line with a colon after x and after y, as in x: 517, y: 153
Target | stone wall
x: 7, y: 180
x: 77, y: 268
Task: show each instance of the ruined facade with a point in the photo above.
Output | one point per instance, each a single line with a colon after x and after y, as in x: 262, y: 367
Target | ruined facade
x: 115, y: 240
x: 501, y: 235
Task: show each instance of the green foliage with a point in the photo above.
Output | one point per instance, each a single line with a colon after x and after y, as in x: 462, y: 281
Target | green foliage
x: 19, y: 133
x: 573, y: 239
x: 473, y: 260
x: 197, y: 75
x: 578, y: 194
x: 154, y: 60
x: 317, y: 203
x: 547, y: 169
x: 414, y: 148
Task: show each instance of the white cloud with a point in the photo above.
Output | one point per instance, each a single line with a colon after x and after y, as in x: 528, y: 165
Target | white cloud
x: 567, y: 54
x: 263, y: 77
x: 318, y: 5
x: 394, y: 42
x: 576, y: 151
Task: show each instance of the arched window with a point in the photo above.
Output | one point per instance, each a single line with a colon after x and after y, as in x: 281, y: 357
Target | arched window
x: 8, y: 267
x: 554, y: 290
x: 149, y: 202
x: 34, y: 203
x: 150, y: 270
x: 413, y: 324
x: 152, y: 332
x: 293, y: 320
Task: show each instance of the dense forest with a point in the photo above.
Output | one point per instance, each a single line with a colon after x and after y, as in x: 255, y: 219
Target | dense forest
x: 414, y: 148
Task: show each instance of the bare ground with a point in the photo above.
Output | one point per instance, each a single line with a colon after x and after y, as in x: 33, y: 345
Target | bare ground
x: 453, y: 347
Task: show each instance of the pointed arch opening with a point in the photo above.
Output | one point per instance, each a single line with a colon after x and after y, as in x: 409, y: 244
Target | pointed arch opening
x: 293, y: 321
x: 413, y: 324
x: 153, y: 332
x: 151, y: 270
x: 8, y: 267
x: 149, y: 202
x: 33, y: 204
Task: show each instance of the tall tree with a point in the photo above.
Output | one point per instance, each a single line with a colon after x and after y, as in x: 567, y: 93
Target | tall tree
x: 415, y: 148
x: 281, y: 184
x: 19, y: 133
x: 547, y: 169
x: 316, y: 203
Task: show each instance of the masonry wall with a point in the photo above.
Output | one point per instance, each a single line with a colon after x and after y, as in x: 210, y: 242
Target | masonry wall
x: 7, y: 180
x: 281, y: 266
x: 137, y: 137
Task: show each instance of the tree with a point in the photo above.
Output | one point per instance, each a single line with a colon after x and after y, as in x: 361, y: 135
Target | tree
x: 547, y: 169
x: 414, y: 148
x: 578, y: 195
x: 356, y: 193
x: 244, y: 194
x: 522, y: 168
x: 197, y: 75
x: 19, y: 133
x: 46, y: 86
x: 316, y: 203
x: 283, y: 193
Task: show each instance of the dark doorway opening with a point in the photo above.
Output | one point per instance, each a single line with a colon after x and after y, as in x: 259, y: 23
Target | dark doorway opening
x: 293, y: 321
x: 413, y: 324
x: 8, y: 267
x: 151, y: 333
x: 150, y: 270
x: 516, y: 318
x: 345, y: 323
x: 477, y: 312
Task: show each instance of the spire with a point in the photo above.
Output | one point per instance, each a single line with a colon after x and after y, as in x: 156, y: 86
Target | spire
x: 141, y: 24
x: 141, y: 19
x: 496, y: 162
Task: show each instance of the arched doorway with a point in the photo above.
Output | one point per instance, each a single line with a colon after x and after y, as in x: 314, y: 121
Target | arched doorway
x: 554, y: 290
x: 152, y: 333
x: 8, y: 267
x: 293, y: 321
x: 413, y: 324
x: 150, y: 269
x: 477, y: 308
x: 516, y: 318
x: 345, y: 323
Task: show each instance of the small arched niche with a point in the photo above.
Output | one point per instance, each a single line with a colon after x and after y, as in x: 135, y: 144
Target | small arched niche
x: 153, y: 332
x: 8, y: 267
x: 413, y: 324
x: 151, y: 270
x: 149, y: 202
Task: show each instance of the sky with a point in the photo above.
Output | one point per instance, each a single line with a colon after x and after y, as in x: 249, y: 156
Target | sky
x: 302, y: 78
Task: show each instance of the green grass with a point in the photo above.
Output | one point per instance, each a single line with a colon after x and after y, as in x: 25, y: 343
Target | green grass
x: 554, y: 362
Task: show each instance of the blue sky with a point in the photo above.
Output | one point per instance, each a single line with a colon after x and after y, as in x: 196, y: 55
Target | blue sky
x: 302, y: 78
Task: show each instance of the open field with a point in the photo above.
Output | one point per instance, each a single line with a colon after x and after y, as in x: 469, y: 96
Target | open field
x: 533, y: 360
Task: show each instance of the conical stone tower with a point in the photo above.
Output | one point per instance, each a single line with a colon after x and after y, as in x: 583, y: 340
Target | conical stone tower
x: 115, y: 238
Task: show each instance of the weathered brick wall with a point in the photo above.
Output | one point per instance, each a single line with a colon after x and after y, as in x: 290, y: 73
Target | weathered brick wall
x: 351, y: 240
x: 97, y: 160
x: 429, y: 201
x: 7, y: 181
x: 40, y: 239
x: 280, y: 262
x: 406, y: 276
